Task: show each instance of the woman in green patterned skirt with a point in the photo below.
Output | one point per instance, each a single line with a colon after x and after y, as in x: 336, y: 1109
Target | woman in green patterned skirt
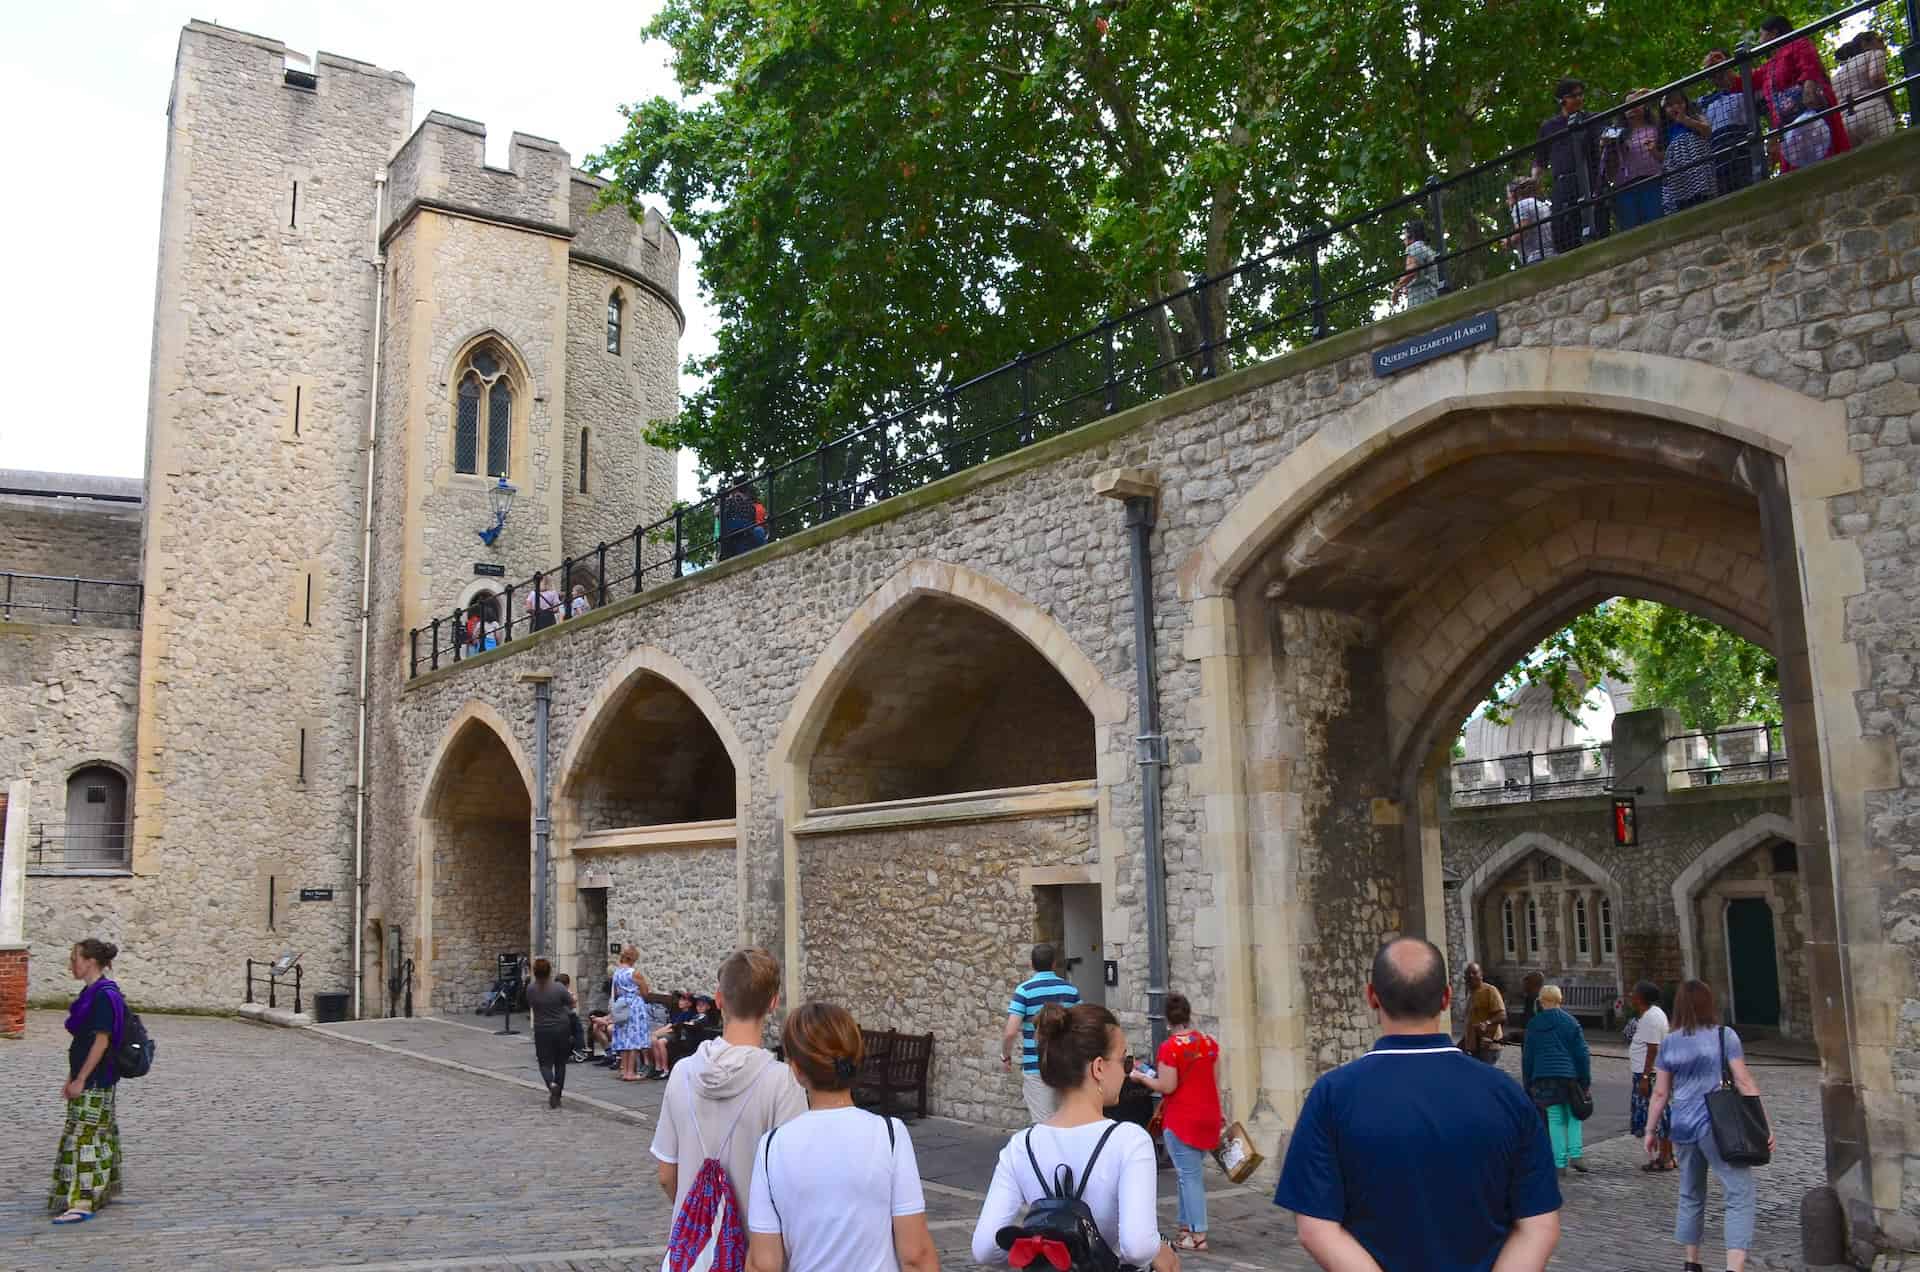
x: 87, y: 1173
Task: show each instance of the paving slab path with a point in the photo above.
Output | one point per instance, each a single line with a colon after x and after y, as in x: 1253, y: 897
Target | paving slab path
x: 427, y: 1143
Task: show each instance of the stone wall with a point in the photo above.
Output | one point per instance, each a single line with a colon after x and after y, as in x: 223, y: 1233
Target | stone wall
x: 927, y: 930
x: 88, y: 538
x: 677, y: 906
x: 1674, y: 833
x: 482, y: 895
x: 1764, y: 284
x: 1755, y: 875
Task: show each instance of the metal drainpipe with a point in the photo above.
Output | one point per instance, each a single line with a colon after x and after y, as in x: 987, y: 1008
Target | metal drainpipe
x: 1138, y: 490
x: 542, y: 682
x: 379, y: 263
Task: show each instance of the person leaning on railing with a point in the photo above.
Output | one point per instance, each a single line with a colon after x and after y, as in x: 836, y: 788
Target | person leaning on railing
x: 1794, y: 81
x: 1729, y: 123
x: 1861, y: 72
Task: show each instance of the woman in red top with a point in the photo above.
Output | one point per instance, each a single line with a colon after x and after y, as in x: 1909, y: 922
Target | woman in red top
x: 1190, y: 1114
x: 1793, y: 80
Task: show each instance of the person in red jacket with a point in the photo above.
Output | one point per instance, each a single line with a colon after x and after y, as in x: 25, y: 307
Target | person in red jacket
x: 1794, y: 79
x: 1190, y: 1114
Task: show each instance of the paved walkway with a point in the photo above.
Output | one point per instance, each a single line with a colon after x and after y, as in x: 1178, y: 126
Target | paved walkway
x: 428, y: 1144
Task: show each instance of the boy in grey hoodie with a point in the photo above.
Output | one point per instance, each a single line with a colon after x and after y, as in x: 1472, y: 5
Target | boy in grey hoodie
x: 733, y: 1086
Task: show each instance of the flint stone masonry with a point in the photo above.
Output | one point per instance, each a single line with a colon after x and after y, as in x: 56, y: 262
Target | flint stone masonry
x: 923, y: 930
x: 676, y: 906
x: 1271, y: 952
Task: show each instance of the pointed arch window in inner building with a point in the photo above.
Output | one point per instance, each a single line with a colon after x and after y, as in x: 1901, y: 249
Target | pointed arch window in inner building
x: 1606, y: 927
x: 1582, y: 937
x: 466, y: 427
x: 1533, y: 928
x: 1508, y: 938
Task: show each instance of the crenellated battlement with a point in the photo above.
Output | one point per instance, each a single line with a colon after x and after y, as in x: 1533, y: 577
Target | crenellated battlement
x: 443, y: 165
x: 611, y: 238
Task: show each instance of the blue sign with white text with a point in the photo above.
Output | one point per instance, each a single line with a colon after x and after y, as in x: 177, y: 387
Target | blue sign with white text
x: 1396, y: 358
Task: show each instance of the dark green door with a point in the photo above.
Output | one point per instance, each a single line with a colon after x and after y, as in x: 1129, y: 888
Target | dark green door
x: 1756, y: 978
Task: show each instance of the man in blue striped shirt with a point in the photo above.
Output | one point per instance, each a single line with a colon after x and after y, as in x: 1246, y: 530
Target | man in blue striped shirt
x: 1029, y: 997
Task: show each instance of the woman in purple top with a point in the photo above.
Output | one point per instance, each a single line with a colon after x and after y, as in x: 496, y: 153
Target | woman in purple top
x: 1689, y: 1068
x: 87, y: 1174
x: 1634, y: 161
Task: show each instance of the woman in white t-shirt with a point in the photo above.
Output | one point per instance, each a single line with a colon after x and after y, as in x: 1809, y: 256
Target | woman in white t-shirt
x: 1082, y: 1057
x: 1647, y: 1032
x: 836, y: 1189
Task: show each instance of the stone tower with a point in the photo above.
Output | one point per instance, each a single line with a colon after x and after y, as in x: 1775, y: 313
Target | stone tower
x: 261, y: 381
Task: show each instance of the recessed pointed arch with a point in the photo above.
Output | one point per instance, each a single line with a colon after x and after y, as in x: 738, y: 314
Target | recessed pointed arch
x: 914, y: 584
x: 473, y: 851
x: 652, y: 764
x: 1473, y: 889
x: 1702, y: 870
x: 1808, y: 433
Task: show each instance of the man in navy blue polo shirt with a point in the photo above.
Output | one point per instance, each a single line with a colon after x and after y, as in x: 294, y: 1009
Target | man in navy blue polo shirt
x: 1416, y: 1155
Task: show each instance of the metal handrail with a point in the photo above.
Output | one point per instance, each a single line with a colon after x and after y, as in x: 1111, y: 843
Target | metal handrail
x: 1328, y: 278
x: 95, y: 846
x: 276, y: 979
x: 1769, y: 762
x: 43, y: 600
x: 1513, y: 789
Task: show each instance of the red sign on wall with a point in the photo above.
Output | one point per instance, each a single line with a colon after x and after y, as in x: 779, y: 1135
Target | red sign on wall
x: 1626, y: 828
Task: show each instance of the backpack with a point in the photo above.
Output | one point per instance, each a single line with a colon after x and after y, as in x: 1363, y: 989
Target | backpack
x: 133, y: 1058
x: 1059, y: 1231
x: 708, y: 1233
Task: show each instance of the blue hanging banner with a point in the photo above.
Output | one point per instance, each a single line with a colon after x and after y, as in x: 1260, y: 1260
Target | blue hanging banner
x: 1400, y: 356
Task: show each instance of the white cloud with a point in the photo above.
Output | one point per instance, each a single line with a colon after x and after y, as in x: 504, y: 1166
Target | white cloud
x: 85, y: 86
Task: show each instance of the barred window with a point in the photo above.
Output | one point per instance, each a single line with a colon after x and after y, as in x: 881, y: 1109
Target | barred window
x: 1508, y: 937
x: 483, y: 377
x: 615, y: 307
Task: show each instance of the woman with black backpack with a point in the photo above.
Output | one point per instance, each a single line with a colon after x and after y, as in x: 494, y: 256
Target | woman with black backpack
x: 87, y: 1173
x: 836, y: 1189
x: 1088, y: 1182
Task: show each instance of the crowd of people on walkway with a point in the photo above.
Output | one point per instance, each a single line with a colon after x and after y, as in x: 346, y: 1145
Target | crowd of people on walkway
x: 1656, y: 154
x: 769, y: 1164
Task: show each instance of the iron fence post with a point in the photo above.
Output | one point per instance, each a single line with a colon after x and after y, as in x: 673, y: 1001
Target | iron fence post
x: 413, y: 652
x: 1319, y: 295
x: 296, y: 989
x: 884, y: 482
x: 601, y: 553
x: 1203, y: 290
x: 639, y: 558
x: 1113, y: 382
x: 1437, y: 215
x: 75, y: 619
x: 1531, y: 797
x: 455, y: 634
x: 1023, y: 368
x: 679, y: 539
x: 566, y: 589
x: 249, y: 980
x: 1756, y: 131
x: 434, y: 645
x: 1582, y: 175
x: 824, y: 504
x: 273, y: 990
x: 508, y: 616
x: 1907, y: 56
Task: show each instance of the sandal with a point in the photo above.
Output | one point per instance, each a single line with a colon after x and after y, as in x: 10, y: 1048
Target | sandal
x: 73, y: 1216
x: 1189, y: 1242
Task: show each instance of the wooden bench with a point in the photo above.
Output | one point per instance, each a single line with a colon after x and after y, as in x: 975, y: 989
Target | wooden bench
x: 1590, y: 999
x: 895, y: 1064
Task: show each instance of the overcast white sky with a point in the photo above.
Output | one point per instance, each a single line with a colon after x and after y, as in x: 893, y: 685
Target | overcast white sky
x: 83, y: 86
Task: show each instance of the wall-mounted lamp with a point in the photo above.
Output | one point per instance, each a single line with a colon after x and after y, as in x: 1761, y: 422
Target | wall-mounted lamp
x: 501, y: 496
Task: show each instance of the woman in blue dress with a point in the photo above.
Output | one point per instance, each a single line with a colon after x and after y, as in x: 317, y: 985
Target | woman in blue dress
x: 630, y: 1019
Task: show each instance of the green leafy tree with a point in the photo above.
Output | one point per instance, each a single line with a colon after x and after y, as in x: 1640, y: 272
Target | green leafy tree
x: 1671, y: 658
x: 890, y: 197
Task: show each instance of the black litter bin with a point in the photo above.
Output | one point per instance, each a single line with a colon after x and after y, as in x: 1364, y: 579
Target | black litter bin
x: 329, y: 1009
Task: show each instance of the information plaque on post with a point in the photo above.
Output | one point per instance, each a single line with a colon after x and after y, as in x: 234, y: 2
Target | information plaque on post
x: 509, y: 966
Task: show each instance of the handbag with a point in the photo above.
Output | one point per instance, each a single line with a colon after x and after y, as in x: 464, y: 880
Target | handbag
x: 1739, y: 1123
x: 1579, y: 1100
x: 621, y: 1011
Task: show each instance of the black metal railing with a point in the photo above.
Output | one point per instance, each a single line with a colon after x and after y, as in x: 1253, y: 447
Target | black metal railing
x: 1336, y: 277
x: 274, y: 980
x: 1745, y: 753
x: 87, y: 846
x: 39, y: 597
x: 1526, y: 776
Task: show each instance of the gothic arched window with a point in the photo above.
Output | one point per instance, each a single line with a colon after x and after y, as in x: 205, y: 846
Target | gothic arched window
x: 1509, y: 942
x: 483, y: 404
x: 615, y: 307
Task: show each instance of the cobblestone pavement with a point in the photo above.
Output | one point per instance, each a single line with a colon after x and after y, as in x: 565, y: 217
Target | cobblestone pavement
x: 257, y: 1148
